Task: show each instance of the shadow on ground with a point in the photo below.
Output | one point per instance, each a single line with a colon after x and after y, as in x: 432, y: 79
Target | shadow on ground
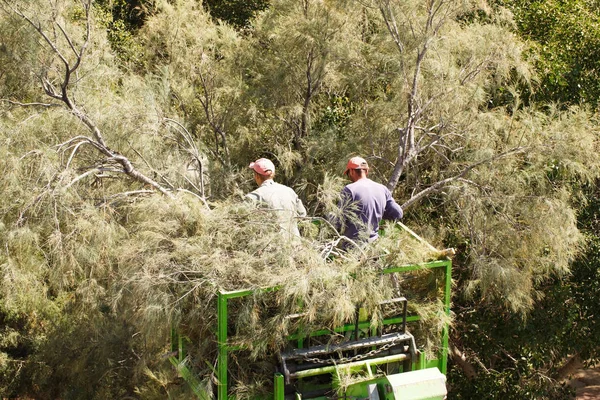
x: 586, y: 383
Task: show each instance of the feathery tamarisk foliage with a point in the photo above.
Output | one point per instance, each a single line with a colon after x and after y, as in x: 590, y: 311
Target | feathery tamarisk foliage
x: 96, y: 264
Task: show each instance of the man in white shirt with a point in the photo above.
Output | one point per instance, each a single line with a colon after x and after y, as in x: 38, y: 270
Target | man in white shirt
x: 275, y: 196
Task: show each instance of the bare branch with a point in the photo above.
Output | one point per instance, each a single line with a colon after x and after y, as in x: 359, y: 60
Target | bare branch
x: 150, y: 166
x: 202, y: 199
x: 201, y: 190
x: 193, y: 151
x: 69, y: 41
x: 75, y: 151
x: 31, y: 152
x: 437, y: 14
x: 206, y: 102
x: 440, y: 184
x: 33, y: 104
x: 69, y: 142
x: 134, y: 173
x: 130, y: 193
x: 392, y: 26
x: 80, y: 177
x: 49, y: 89
x: 184, y: 132
x: 461, y: 361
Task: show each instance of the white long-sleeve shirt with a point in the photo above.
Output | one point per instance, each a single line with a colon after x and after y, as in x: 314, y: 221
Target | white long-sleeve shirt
x: 283, y: 200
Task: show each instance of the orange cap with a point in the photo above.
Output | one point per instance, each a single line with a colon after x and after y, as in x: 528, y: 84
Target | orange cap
x: 356, y: 163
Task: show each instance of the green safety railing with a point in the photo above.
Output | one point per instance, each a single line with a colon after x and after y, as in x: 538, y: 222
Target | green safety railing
x: 224, y: 348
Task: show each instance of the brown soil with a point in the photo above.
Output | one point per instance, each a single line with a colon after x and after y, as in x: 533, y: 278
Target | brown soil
x: 587, y: 383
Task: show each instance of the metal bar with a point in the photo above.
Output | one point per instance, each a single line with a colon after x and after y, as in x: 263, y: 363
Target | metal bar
x: 222, y: 346
x: 446, y: 329
x: 419, y: 238
x: 414, y: 267
x: 354, y: 345
x: 422, y: 361
x: 356, y: 322
x: 363, y: 325
x: 403, y: 268
x: 392, y: 301
x: 331, y: 368
x: 405, y: 306
x: 279, y: 392
x: 190, y: 378
x: 233, y: 294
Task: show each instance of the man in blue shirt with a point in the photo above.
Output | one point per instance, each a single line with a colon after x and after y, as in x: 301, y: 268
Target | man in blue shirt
x: 364, y: 203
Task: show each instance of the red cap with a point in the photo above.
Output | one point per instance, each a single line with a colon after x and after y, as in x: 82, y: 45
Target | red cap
x: 263, y: 166
x: 356, y: 163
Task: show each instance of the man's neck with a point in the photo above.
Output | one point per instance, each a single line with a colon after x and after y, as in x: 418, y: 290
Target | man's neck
x: 266, y: 181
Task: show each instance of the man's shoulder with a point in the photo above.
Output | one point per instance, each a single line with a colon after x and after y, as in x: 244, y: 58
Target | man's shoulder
x: 281, y: 187
x: 365, y: 184
x: 254, y: 195
x: 274, y: 188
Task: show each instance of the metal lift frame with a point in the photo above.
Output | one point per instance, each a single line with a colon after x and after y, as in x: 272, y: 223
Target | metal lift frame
x: 224, y: 348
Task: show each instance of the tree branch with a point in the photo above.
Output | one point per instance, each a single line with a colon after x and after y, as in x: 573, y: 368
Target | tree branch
x: 32, y: 104
x: 440, y: 184
x: 193, y: 151
x: 461, y: 361
x: 98, y: 139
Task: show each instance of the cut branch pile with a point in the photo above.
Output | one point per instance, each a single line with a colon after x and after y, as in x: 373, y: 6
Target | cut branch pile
x: 185, y: 254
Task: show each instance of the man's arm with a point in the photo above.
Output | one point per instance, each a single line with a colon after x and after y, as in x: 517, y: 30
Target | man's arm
x: 300, y: 208
x: 392, y: 211
x: 253, y: 197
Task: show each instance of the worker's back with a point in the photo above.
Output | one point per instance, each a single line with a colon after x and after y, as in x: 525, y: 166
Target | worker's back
x: 283, y: 200
x: 368, y: 202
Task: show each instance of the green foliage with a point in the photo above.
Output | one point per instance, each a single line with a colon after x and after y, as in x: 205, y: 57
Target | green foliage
x: 512, y: 384
x: 131, y: 13
x: 94, y: 269
x: 292, y: 74
x: 543, y: 225
x: 565, y: 37
x: 584, y: 283
x: 238, y: 13
x: 191, y: 59
x: 20, y: 56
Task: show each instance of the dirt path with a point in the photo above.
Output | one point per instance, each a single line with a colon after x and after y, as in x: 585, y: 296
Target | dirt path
x: 587, y: 383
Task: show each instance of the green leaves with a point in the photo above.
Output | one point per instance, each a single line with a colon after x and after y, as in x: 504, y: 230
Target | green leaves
x: 566, y: 38
x: 90, y: 253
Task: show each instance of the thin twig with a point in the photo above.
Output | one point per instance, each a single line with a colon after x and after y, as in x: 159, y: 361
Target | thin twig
x: 73, y: 152
x: 32, y: 104
x: 80, y: 177
x: 203, y: 200
x: 438, y: 185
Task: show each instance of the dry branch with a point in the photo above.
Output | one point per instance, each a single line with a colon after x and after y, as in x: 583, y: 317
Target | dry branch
x: 461, y: 361
x: 440, y: 184
x: 70, y: 68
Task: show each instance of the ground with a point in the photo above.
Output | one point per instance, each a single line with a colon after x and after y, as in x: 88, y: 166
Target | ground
x: 586, y: 382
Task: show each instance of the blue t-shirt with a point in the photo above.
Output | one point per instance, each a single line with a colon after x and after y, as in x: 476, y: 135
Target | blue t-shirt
x: 364, y: 204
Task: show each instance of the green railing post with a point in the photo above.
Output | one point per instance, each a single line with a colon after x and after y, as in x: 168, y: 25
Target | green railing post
x: 222, y: 347
x: 279, y: 392
x: 445, y: 330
